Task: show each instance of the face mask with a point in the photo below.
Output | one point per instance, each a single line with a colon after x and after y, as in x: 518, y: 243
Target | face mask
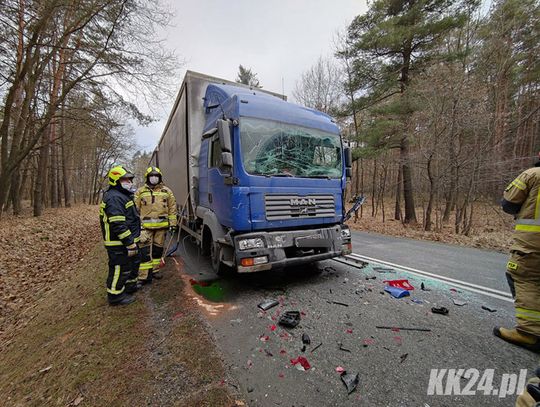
x: 127, y: 185
x: 153, y: 180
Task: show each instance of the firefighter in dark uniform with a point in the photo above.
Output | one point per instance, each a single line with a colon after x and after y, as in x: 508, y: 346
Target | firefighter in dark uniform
x: 522, y: 199
x: 121, y: 228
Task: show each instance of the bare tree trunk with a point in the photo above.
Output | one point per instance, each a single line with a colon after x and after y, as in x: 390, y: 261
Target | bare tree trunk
x: 53, y: 168
x: 397, y: 210
x: 410, y: 213
x: 15, y: 189
x: 373, y: 188
x: 41, y: 175
x: 65, y: 177
x: 432, y: 188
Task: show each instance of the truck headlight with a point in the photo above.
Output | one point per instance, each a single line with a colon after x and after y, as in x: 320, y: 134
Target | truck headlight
x: 345, y: 232
x: 246, y: 244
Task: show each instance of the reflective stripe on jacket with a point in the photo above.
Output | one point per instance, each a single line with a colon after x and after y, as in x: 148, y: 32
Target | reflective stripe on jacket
x: 119, y: 220
x: 157, y: 206
x: 525, y: 191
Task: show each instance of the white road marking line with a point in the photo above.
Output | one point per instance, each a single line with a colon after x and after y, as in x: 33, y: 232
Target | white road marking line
x: 501, y: 295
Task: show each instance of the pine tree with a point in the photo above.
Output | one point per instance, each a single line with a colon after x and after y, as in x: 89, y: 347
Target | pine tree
x: 247, y: 77
x: 389, y: 45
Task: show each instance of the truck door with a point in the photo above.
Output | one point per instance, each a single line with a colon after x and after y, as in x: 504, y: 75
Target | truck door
x: 219, y: 194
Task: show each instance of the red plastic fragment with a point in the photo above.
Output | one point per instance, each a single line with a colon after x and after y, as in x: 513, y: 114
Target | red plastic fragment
x: 302, y: 361
x: 272, y: 327
x: 403, y: 284
x: 339, y: 369
x: 264, y: 338
x: 349, y: 331
x: 282, y: 351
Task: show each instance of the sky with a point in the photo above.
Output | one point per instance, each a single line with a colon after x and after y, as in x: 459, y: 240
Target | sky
x: 277, y: 39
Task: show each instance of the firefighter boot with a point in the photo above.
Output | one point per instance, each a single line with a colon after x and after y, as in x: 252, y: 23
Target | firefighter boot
x: 518, y: 338
x: 126, y: 300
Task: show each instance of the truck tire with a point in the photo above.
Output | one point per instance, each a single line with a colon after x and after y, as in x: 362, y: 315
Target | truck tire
x: 215, y: 256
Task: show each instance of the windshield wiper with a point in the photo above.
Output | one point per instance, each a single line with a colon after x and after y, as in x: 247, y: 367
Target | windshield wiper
x: 279, y: 174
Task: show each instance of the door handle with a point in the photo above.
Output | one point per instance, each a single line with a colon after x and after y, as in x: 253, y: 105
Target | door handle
x: 210, y: 198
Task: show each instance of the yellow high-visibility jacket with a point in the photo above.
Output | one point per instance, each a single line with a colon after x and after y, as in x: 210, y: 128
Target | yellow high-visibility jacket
x: 525, y: 191
x: 157, y: 206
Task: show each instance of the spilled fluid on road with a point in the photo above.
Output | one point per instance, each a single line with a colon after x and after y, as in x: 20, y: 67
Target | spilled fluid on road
x: 212, y: 290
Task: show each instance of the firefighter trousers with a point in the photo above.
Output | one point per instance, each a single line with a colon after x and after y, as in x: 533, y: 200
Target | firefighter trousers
x: 123, y: 271
x: 523, y: 274
x: 151, y: 247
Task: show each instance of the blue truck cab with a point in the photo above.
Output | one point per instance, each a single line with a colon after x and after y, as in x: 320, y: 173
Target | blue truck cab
x: 269, y: 183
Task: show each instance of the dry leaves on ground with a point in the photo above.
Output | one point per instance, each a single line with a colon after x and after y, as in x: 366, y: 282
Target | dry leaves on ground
x: 492, y: 229
x: 35, y: 253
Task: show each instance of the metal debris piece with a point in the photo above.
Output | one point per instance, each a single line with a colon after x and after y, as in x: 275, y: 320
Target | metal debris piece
x: 267, y: 304
x: 488, y: 309
x: 306, y: 340
x: 403, y: 328
x: 290, y: 319
x: 340, y: 344
x: 459, y: 303
x: 316, y: 347
x: 340, y: 303
x: 350, y: 381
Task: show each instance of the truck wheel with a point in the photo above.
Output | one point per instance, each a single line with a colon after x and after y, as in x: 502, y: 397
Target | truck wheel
x: 215, y: 256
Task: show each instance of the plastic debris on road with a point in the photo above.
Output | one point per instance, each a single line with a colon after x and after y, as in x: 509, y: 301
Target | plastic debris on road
x: 267, y: 304
x: 403, y: 357
x: 339, y: 369
x: 289, y: 319
x: 306, y: 340
x: 440, y: 310
x: 396, y: 292
x: 459, y: 303
x: 350, y: 381
x: 301, y: 363
x: 488, y: 309
x: 404, y: 284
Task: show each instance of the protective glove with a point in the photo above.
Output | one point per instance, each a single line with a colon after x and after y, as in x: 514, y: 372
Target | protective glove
x: 132, y: 250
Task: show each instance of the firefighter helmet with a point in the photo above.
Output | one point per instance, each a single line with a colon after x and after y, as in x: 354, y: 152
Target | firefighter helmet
x: 118, y: 172
x: 153, y: 171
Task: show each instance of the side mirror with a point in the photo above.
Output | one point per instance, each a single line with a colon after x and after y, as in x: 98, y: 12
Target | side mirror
x: 348, y: 157
x: 348, y: 172
x: 224, y: 133
x: 226, y: 159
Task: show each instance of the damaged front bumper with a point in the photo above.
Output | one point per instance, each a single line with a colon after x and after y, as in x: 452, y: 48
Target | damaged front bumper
x: 271, y: 250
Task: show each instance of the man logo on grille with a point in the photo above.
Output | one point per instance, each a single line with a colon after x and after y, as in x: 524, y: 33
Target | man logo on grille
x: 303, y: 202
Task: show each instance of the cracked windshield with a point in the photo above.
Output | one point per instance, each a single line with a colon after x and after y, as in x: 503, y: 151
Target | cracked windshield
x: 279, y: 149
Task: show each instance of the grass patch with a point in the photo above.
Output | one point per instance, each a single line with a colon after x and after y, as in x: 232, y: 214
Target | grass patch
x: 77, y: 350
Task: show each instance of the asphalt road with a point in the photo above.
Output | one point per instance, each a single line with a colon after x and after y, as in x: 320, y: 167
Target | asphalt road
x: 340, y: 309
x: 477, y: 266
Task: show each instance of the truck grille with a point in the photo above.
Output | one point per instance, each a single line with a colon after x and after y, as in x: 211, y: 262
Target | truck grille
x: 279, y: 207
